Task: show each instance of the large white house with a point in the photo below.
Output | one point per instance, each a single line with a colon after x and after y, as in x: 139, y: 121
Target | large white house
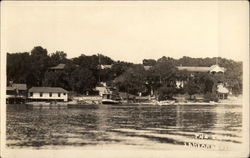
x: 48, y: 94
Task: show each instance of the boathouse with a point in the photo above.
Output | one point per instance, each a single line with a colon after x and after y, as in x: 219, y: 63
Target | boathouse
x: 47, y: 94
x: 16, y: 93
x: 17, y: 89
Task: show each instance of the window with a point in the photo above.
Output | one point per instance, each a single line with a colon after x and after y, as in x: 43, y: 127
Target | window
x: 41, y: 94
x: 64, y: 93
x: 31, y: 94
x: 59, y: 94
x: 50, y: 94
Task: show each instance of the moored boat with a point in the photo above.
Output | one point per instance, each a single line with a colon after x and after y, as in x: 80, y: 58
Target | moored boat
x: 111, y: 99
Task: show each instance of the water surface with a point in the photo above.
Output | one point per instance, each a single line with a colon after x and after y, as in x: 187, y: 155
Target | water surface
x: 210, y: 127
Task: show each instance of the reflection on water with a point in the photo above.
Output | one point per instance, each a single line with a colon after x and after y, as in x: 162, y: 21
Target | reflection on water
x: 175, y: 126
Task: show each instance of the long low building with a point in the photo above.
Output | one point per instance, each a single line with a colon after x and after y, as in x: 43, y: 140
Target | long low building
x: 212, y: 69
x: 47, y: 94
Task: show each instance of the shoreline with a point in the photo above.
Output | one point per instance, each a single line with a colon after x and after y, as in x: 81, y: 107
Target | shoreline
x: 97, y: 100
x: 68, y: 104
x: 190, y: 103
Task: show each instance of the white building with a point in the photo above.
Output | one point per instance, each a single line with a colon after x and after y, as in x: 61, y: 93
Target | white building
x: 48, y: 94
x: 222, y: 91
x: 105, y: 66
x: 212, y: 69
x: 147, y: 67
x: 103, y: 90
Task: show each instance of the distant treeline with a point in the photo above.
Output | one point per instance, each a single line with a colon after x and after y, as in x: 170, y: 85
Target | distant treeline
x: 83, y: 73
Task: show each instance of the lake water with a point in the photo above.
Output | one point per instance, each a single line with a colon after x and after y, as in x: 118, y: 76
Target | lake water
x: 214, y: 127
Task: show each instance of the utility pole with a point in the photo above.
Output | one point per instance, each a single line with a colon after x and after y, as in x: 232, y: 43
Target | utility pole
x: 99, y: 75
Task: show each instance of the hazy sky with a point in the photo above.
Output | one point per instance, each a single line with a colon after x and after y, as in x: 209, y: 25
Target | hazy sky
x: 129, y: 31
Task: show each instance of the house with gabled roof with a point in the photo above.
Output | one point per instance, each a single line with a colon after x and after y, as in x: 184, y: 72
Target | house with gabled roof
x: 59, y: 67
x: 217, y: 69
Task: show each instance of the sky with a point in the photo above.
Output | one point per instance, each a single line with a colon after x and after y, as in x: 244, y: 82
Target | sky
x: 128, y: 31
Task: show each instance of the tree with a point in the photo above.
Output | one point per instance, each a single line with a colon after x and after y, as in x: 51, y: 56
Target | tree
x: 233, y: 75
x: 132, y: 80
x: 192, y: 88
x: 57, y: 79
x: 39, y: 51
x: 31, y: 68
x: 40, y: 66
x: 166, y: 92
x: 163, y: 73
x: 18, y: 66
x: 57, y: 58
x: 82, y: 80
x: 92, y: 62
x: 149, y: 62
x: 119, y: 68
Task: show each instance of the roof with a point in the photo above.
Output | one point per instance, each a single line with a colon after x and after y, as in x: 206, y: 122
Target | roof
x: 216, y: 68
x: 10, y: 88
x: 59, y: 66
x: 102, y: 89
x: 213, y: 68
x: 19, y: 86
x: 48, y: 90
x: 106, y: 66
x: 193, y: 68
x: 222, y: 89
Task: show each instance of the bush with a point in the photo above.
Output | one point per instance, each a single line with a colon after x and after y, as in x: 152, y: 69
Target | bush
x: 211, y: 97
x: 166, y: 93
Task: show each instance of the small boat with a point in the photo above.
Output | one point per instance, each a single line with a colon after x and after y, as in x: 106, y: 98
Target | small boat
x: 165, y: 103
x: 111, y: 99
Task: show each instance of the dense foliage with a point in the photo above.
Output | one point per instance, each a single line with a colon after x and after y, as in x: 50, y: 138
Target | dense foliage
x: 80, y: 74
x: 83, y: 73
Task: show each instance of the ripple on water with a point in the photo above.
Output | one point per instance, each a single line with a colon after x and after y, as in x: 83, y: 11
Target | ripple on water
x: 139, y: 126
